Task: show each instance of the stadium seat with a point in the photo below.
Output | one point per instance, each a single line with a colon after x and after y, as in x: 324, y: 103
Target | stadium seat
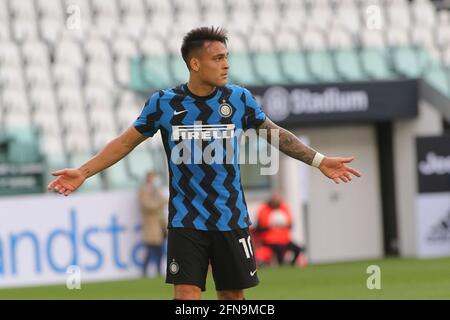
x: 265, y: 59
x: 77, y: 141
x: 68, y: 52
x: 43, y: 99
x: 103, y: 122
x: 397, y: 36
x: 152, y: 70
x: 101, y: 138
x: 38, y: 76
x: 9, y: 55
x: 140, y: 161
x: 241, y: 69
x: 46, y: 121
x: 66, y: 75
x: 423, y: 37
x: 424, y: 13
x: 319, y: 17
x: 11, y: 77
x: 375, y: 62
x: 22, y: 10
x: 399, y: 15
x: 118, y: 178
x: 74, y: 120
x: 318, y: 57
x: 406, y: 62
x: 97, y: 50
x: 24, y: 30
x: 99, y: 96
x: 14, y: 101
x: 50, y: 9
x: 5, y: 33
x: 439, y: 79
x: 36, y: 52
x: 99, y: 74
x: 50, y: 30
x: 52, y: 145
x: 349, y: 18
x: 16, y: 120
x: 292, y: 5
x: 127, y: 113
x: 131, y: 8
x: 124, y: 48
x: 70, y: 97
x: 122, y: 72
x: 104, y: 9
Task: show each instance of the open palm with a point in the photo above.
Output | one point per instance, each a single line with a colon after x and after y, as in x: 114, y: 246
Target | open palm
x: 336, y: 169
x: 68, y: 181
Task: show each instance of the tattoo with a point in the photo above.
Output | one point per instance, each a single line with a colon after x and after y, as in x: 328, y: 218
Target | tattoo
x: 289, y: 144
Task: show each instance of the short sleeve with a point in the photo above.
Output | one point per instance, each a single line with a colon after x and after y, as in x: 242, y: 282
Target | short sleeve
x: 254, y: 116
x: 148, y: 121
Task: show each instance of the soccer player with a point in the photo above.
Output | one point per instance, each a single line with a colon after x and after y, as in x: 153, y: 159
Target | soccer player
x: 208, y: 218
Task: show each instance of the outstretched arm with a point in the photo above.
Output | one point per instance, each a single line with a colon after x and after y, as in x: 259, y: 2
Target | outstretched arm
x: 334, y: 168
x: 71, y: 179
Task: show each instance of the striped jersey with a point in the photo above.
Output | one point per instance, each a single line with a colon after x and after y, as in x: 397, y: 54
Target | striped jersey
x: 201, y: 140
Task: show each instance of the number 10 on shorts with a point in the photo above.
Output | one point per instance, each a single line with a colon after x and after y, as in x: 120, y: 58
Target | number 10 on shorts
x: 247, y: 246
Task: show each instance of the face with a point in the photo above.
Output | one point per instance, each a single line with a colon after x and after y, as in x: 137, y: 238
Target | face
x: 275, y: 200
x: 211, y: 64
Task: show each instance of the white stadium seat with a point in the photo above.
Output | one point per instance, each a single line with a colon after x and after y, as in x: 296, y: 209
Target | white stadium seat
x: 339, y: 38
x: 9, y: 54
x: 100, y: 74
x: 23, y: 9
x: 66, y: 75
x: 68, y: 52
x: 51, y: 29
x: 124, y: 48
x: 99, y: 96
x: 38, y: 76
x: 74, y: 121
x: 11, y: 77
x: 50, y: 9
x: 15, y: 101
x: 47, y: 123
x: 43, y: 100
x: 70, y: 97
x: 78, y: 141
x: 36, y: 53
x: 5, y: 33
x: 97, y: 50
x: 396, y: 36
x: 372, y: 38
x: 24, y: 30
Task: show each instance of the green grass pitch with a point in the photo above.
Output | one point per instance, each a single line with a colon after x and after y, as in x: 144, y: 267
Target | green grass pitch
x: 400, y: 279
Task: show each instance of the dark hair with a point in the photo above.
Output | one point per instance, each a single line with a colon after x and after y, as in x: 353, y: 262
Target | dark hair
x: 195, y: 39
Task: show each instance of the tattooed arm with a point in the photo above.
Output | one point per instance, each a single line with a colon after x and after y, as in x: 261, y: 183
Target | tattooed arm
x: 332, y: 167
x: 289, y: 144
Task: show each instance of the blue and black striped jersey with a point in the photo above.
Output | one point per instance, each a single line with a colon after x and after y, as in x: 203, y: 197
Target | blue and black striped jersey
x: 201, y: 141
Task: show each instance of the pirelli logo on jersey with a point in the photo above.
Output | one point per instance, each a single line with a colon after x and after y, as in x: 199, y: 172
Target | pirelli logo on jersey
x: 203, y: 132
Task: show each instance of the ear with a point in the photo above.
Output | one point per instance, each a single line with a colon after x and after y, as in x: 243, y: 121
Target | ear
x: 195, y: 64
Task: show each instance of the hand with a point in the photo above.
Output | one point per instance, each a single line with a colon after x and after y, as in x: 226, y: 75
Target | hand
x: 335, y: 169
x: 69, y: 180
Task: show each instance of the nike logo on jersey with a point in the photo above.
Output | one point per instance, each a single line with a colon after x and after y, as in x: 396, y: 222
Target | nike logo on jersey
x: 252, y: 273
x: 179, y: 112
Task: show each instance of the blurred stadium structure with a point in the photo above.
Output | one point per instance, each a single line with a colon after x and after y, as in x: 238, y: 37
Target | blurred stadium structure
x: 75, y: 73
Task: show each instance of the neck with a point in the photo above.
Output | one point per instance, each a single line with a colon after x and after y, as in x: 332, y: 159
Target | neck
x: 199, y: 88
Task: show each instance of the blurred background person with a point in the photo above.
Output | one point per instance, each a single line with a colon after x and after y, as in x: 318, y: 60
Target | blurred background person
x: 274, y: 224
x: 152, y: 204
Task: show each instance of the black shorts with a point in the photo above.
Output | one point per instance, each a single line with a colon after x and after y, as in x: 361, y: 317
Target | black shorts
x: 230, y: 253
